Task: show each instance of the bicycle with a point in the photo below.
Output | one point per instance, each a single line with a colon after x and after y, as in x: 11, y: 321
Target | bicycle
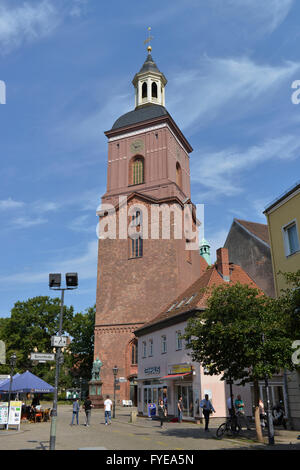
x: 231, y: 427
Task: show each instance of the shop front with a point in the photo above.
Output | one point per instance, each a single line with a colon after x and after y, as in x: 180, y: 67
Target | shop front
x: 180, y: 380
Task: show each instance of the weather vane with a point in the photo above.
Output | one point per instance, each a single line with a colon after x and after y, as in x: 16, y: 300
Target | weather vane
x: 149, y: 39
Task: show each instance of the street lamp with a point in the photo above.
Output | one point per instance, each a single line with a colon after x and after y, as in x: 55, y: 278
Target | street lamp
x: 54, y: 283
x: 12, y: 361
x: 115, y: 372
x: 269, y: 411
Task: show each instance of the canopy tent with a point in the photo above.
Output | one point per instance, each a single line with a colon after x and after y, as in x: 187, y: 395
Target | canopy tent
x: 26, y: 382
x: 6, y: 381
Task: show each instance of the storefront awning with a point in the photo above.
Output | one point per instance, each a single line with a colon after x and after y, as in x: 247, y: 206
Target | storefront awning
x: 175, y: 376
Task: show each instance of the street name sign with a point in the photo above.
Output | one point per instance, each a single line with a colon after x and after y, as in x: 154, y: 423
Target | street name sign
x: 42, y: 357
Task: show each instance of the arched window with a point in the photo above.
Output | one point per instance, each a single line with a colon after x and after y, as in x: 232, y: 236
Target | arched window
x: 178, y: 175
x: 154, y: 90
x: 144, y: 90
x: 134, y: 353
x: 138, y: 171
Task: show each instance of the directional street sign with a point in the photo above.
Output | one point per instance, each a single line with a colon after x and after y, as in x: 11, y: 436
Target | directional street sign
x: 42, y: 357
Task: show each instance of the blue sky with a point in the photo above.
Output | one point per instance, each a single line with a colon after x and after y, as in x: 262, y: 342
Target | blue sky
x: 68, y: 66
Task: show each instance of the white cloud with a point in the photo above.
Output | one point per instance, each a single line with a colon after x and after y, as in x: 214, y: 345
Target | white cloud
x: 199, y: 95
x: 84, y: 264
x: 27, y: 222
x: 220, y: 171
x: 8, y: 204
x: 267, y: 14
x: 26, y: 23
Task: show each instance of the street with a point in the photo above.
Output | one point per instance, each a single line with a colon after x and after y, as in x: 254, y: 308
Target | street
x: 145, y: 434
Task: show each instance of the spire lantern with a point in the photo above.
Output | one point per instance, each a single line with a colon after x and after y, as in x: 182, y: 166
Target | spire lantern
x: 149, y: 82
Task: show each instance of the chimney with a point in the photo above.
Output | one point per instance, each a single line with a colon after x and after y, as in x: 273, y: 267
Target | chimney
x: 223, y: 263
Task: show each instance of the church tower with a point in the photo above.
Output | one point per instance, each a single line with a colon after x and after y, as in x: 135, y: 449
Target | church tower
x: 148, y: 168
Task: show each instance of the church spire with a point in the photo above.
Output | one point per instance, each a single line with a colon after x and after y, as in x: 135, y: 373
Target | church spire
x: 149, y: 82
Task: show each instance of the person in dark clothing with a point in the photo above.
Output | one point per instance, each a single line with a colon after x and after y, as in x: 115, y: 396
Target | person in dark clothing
x: 87, y: 405
x: 161, y: 412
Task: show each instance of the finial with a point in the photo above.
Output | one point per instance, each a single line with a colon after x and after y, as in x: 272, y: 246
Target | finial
x: 149, y: 48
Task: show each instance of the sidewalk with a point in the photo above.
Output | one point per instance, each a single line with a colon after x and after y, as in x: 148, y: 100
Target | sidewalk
x: 144, y: 434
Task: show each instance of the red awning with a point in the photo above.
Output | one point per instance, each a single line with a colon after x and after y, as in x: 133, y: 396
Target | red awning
x: 174, y: 376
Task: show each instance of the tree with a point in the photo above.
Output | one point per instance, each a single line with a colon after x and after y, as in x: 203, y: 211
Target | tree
x: 241, y: 335
x: 29, y: 328
x: 82, y: 345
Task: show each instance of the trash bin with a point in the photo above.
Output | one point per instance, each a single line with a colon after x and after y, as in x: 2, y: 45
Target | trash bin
x: 151, y: 410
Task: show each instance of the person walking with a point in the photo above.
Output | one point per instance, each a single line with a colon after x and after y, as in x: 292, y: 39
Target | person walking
x: 87, y: 406
x: 161, y: 412
x: 180, y: 409
x: 207, y: 408
x: 107, y: 410
x: 240, y: 412
x: 75, y: 413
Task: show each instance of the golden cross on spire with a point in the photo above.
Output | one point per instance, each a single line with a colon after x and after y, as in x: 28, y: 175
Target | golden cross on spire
x: 149, y: 39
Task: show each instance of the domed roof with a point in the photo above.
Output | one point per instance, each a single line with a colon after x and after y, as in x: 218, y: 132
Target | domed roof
x: 140, y: 114
x: 149, y: 65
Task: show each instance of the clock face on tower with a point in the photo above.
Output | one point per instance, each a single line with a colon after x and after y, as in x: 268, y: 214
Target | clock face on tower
x: 137, y: 146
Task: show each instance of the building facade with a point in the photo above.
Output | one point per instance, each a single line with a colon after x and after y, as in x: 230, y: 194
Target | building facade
x: 165, y: 368
x: 248, y: 245
x: 139, y: 274
x: 283, y: 216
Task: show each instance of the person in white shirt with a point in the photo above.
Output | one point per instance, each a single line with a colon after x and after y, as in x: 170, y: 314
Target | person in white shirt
x: 207, y: 408
x: 107, y: 410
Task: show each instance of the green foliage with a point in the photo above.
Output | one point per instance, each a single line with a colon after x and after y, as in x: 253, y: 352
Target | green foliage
x: 82, y: 346
x: 30, y: 327
x: 241, y: 334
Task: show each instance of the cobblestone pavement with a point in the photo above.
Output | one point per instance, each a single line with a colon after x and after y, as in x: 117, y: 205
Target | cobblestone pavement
x: 144, y: 434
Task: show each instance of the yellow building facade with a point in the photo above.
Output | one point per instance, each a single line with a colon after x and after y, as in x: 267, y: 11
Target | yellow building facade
x: 283, y: 216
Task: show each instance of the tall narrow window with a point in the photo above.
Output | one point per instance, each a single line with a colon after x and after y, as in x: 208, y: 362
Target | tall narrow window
x: 134, y: 354
x: 144, y: 90
x: 291, y: 239
x: 137, y: 247
x: 163, y: 344
x: 154, y: 90
x: 178, y: 340
x: 178, y: 175
x: 138, y: 171
x: 150, y: 347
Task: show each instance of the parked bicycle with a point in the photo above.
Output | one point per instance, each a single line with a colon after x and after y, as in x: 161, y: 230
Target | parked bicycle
x: 231, y: 427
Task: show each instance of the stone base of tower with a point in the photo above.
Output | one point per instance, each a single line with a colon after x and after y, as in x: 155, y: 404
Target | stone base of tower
x: 113, y: 345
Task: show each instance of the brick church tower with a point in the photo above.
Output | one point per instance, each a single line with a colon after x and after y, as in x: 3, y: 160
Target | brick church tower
x: 148, y: 166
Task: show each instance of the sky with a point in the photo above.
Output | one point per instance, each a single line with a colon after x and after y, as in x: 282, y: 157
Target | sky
x: 67, y: 66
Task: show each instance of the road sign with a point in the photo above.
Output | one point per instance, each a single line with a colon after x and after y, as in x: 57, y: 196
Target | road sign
x: 59, y: 341
x: 42, y: 357
x: 122, y: 379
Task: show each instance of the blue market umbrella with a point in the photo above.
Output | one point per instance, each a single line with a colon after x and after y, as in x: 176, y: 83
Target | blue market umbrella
x: 26, y: 382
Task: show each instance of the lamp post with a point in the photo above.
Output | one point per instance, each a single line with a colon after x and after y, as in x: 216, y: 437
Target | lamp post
x: 115, y: 372
x: 12, y: 361
x: 269, y: 411
x: 54, y: 284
